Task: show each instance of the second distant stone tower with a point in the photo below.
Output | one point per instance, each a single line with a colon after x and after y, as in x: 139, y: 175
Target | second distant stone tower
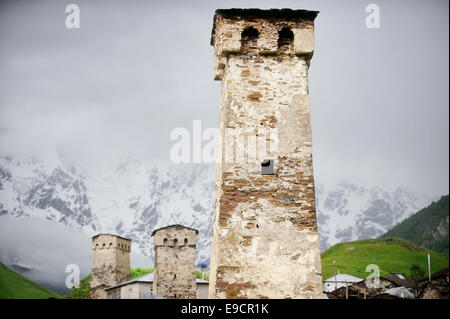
x: 175, y: 262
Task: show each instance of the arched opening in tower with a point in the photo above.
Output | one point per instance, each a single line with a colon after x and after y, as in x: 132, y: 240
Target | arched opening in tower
x: 285, y: 38
x: 249, y: 38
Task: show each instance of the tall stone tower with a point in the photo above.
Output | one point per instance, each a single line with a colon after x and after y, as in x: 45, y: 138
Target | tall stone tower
x: 265, y: 239
x: 175, y: 262
x: 110, y: 263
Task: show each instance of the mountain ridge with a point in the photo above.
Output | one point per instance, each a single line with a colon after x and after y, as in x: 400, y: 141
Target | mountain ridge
x: 427, y: 228
x: 134, y: 197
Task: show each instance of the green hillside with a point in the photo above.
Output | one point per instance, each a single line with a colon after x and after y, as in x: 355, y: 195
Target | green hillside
x: 83, y: 291
x: 138, y: 272
x: 392, y: 255
x: 15, y: 286
x: 427, y: 228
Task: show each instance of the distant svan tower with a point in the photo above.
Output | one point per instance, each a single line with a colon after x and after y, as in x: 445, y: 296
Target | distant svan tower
x: 110, y: 263
x: 175, y: 262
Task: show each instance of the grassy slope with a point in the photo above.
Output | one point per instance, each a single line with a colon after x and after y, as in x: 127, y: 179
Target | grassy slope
x: 83, y: 291
x: 418, y: 228
x: 392, y: 255
x: 138, y: 272
x: 15, y: 286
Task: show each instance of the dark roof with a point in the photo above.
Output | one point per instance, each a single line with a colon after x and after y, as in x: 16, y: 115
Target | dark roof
x: 401, y: 280
x: 144, y: 278
x: 261, y: 13
x: 174, y: 225
x: 441, y: 273
x: 111, y: 235
x: 384, y: 295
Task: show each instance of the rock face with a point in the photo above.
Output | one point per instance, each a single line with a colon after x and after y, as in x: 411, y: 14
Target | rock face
x: 265, y: 238
x: 110, y: 263
x: 175, y: 262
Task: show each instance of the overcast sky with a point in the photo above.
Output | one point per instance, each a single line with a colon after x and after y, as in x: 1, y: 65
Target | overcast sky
x: 135, y: 70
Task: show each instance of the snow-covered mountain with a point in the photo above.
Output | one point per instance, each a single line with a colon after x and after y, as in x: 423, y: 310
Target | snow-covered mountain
x: 130, y: 199
x: 135, y: 197
x: 349, y: 212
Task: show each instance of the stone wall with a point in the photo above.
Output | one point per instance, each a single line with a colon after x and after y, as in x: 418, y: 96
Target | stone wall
x: 110, y: 263
x: 175, y: 262
x: 265, y: 239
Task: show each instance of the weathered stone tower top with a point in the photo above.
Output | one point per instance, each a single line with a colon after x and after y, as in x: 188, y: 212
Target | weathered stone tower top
x: 175, y: 236
x: 110, y: 263
x: 265, y: 32
x: 175, y: 262
x: 110, y: 241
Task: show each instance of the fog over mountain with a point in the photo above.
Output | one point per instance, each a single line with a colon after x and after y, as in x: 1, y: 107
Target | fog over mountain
x: 49, y: 212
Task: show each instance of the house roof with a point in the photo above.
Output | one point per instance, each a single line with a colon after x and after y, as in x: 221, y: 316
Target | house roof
x: 401, y: 280
x: 145, y: 278
x: 400, y: 292
x: 339, y: 281
x: 261, y: 13
x: 343, y: 278
x: 174, y: 225
x: 201, y: 281
x: 148, y: 278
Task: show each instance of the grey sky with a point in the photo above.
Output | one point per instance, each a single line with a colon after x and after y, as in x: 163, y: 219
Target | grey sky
x: 135, y: 70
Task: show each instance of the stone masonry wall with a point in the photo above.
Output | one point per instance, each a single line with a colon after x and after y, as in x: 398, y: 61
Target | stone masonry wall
x: 175, y: 262
x: 110, y: 263
x: 265, y: 239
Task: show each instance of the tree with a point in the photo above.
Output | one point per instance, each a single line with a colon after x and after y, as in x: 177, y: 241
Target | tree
x: 417, y: 273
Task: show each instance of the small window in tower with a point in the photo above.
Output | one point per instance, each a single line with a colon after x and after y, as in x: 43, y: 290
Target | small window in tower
x: 249, y: 38
x: 185, y: 241
x: 267, y: 167
x: 104, y: 245
x: 174, y: 276
x: 285, y: 37
x: 175, y: 242
x: 165, y: 241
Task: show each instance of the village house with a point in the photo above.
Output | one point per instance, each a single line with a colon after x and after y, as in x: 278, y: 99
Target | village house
x: 393, y: 286
x: 339, y: 281
x: 142, y: 288
x: 437, y: 288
